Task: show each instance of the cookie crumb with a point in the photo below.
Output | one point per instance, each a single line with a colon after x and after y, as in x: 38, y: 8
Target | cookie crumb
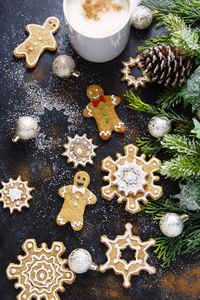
x: 93, y: 9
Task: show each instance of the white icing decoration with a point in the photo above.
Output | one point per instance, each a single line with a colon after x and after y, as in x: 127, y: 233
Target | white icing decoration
x: 89, y: 111
x: 15, y: 194
x: 114, y: 100
x: 105, y: 133
x: 130, y: 178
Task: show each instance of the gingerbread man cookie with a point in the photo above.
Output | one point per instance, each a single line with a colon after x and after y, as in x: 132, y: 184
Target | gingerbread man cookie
x: 76, y: 196
x: 40, y: 39
x: 102, y: 108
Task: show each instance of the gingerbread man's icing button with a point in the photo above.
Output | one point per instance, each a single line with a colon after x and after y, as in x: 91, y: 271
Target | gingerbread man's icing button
x: 30, y: 48
x: 15, y: 194
x: 102, y: 109
x: 76, y: 198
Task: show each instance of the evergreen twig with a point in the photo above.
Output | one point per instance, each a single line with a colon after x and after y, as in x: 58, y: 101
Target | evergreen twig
x: 188, y: 10
x: 177, y: 144
x: 137, y: 104
x: 181, y: 167
x: 149, y: 145
x: 167, y: 249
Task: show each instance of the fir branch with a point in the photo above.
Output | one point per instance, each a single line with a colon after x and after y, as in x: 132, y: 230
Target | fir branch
x: 167, y: 249
x: 188, y: 10
x: 182, y: 166
x: 189, y: 93
x: 182, y: 36
x: 137, y: 104
x: 169, y: 98
x: 152, y: 42
x: 178, y: 144
x: 149, y: 145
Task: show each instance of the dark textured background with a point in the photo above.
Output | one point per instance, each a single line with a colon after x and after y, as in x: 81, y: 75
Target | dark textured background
x: 58, y: 104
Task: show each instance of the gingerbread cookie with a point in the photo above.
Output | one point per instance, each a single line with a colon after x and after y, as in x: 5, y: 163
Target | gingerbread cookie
x: 41, y: 272
x: 76, y: 196
x: 40, y: 39
x: 130, y: 79
x: 131, y: 178
x: 15, y: 194
x: 121, y: 266
x: 102, y: 108
x: 79, y: 150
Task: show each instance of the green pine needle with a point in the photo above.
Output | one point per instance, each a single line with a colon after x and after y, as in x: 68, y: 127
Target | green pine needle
x: 177, y: 144
x: 152, y: 42
x: 149, y: 145
x: 188, y: 10
x: 137, y: 104
x: 181, y: 167
x: 169, y: 98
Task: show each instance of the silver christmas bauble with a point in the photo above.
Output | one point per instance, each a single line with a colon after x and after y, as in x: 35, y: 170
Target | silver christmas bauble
x: 159, y: 126
x: 142, y: 17
x: 64, y: 66
x: 80, y: 261
x: 171, y: 224
x: 26, y: 128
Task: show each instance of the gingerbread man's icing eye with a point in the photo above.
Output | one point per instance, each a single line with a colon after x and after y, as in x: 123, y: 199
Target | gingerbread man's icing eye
x: 90, y: 93
x: 96, y: 90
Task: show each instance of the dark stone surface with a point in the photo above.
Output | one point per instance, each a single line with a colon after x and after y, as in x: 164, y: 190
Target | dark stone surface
x: 58, y: 104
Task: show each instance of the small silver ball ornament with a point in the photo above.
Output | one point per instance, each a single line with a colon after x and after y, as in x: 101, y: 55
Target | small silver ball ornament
x: 64, y: 66
x: 80, y: 261
x: 159, y: 126
x: 171, y: 224
x: 142, y: 17
x: 26, y: 128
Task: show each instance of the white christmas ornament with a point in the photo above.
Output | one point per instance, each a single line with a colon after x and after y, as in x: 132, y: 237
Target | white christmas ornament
x: 142, y: 17
x: 159, y: 126
x: 64, y: 66
x: 26, y: 128
x: 171, y: 224
x: 80, y: 261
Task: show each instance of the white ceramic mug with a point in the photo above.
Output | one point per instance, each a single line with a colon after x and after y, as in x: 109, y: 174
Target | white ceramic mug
x: 100, y: 49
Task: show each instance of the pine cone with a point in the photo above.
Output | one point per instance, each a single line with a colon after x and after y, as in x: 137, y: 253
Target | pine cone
x: 166, y: 65
x: 162, y: 64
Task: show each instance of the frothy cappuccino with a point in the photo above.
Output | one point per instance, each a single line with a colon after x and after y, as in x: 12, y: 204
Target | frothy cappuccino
x: 97, y: 18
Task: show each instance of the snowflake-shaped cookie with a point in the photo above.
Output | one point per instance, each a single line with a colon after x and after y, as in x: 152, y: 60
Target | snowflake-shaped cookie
x: 131, y: 178
x: 130, y: 79
x: 41, y: 272
x: 79, y: 150
x: 15, y: 194
x: 118, y: 264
